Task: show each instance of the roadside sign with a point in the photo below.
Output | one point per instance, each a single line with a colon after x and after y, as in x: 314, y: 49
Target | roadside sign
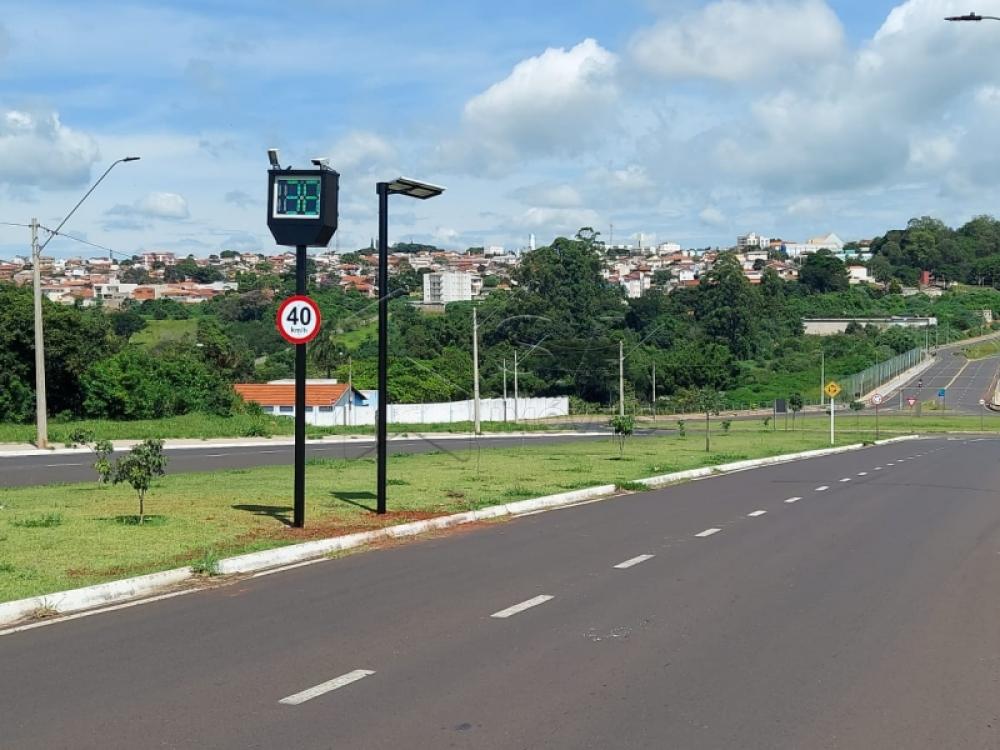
x: 910, y: 401
x: 941, y: 392
x: 832, y: 389
x: 877, y: 399
x: 298, y: 319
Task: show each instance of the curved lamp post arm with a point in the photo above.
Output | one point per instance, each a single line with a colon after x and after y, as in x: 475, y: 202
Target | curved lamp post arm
x: 54, y: 232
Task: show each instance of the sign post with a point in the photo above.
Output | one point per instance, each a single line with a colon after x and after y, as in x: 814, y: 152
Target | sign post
x: 876, y: 401
x: 832, y: 390
x: 301, y: 212
x: 943, y: 395
x: 982, y: 413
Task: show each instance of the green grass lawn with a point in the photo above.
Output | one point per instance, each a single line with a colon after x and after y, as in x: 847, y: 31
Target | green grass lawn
x: 64, y: 536
x: 203, y: 426
x: 984, y: 349
x: 160, y: 331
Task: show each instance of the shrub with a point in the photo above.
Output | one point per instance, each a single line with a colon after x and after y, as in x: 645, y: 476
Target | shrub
x: 681, y: 427
x: 623, y: 426
x: 103, y: 449
x: 726, y: 424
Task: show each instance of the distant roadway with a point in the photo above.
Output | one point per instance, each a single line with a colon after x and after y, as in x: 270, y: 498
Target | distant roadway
x: 77, y: 467
x: 842, y: 603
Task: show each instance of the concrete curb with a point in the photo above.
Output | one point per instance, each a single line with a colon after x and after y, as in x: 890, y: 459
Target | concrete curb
x: 65, y: 602
x: 285, y: 441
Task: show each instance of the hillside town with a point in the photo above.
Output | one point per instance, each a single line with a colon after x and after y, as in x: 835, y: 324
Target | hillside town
x: 445, y: 275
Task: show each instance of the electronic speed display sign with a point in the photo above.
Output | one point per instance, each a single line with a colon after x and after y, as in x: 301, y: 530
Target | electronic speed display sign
x: 302, y: 206
x: 298, y: 319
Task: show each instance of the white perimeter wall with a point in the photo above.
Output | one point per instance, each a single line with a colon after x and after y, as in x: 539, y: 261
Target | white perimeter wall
x: 490, y: 410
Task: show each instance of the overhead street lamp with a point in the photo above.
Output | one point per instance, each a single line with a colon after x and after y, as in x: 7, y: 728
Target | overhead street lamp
x: 411, y: 189
x: 41, y: 405
x: 972, y: 17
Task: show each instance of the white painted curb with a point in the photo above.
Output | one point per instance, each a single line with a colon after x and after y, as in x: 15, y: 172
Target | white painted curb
x: 285, y: 441
x: 93, y: 596
x: 75, y: 600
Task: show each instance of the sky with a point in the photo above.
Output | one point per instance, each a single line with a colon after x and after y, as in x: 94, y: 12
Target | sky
x: 676, y: 120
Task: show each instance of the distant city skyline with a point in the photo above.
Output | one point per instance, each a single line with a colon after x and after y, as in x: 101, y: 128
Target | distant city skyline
x: 686, y: 121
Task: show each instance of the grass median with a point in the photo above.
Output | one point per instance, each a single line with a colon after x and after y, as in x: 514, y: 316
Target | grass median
x: 205, y: 426
x: 58, y: 537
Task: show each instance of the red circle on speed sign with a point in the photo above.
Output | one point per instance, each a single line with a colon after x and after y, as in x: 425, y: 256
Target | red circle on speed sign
x: 298, y: 319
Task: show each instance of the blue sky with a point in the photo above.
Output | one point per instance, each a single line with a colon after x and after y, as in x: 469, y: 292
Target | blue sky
x: 682, y: 120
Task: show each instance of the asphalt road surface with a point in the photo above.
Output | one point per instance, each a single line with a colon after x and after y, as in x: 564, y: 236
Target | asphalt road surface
x: 77, y: 467
x: 965, y: 383
x: 847, y: 602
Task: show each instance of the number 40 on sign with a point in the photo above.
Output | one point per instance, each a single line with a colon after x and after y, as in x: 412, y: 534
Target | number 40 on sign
x: 298, y: 319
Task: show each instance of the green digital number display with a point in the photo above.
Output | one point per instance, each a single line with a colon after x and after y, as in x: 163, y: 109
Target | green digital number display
x: 297, y: 197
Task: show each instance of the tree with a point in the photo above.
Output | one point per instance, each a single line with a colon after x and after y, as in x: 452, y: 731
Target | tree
x: 822, y: 272
x: 707, y: 401
x: 103, y: 449
x: 325, y: 353
x: 139, y: 467
x: 728, y: 307
x: 795, y: 403
x: 127, y: 323
x: 623, y: 426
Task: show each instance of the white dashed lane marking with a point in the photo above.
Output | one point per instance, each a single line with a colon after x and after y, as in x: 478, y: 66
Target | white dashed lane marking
x: 634, y: 561
x: 793, y: 500
x: 822, y: 488
x: 756, y: 513
x: 862, y: 473
x: 326, y: 687
x: 504, y: 613
x: 708, y: 532
x: 846, y: 479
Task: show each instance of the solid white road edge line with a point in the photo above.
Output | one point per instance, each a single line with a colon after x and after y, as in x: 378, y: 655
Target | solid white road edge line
x: 326, y: 687
x: 504, y: 613
x: 634, y: 561
x: 756, y: 513
x: 708, y: 532
x: 793, y: 500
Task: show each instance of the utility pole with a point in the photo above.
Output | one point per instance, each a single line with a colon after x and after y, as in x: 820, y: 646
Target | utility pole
x: 621, y: 378
x: 822, y: 376
x: 515, y: 386
x: 41, y: 405
x: 654, y: 391
x: 350, y: 388
x: 475, y: 368
x: 504, y: 389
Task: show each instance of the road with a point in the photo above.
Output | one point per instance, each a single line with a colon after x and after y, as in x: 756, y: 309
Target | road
x: 711, y: 615
x: 965, y: 383
x: 77, y: 467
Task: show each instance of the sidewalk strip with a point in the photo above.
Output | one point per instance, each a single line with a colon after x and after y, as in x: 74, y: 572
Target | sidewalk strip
x: 326, y: 687
x: 634, y: 561
x: 503, y: 613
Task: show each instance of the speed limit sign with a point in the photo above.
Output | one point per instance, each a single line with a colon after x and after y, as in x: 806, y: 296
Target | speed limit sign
x: 298, y: 319
x: 877, y: 399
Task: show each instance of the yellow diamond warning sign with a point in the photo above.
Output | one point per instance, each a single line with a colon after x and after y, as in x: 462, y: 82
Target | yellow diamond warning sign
x: 832, y: 389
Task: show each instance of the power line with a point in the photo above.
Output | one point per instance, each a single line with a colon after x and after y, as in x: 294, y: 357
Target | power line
x: 87, y: 242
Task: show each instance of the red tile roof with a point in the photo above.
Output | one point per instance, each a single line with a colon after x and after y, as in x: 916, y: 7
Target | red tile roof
x: 269, y: 394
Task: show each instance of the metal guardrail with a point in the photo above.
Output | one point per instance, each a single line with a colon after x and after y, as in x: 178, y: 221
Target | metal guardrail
x: 867, y: 380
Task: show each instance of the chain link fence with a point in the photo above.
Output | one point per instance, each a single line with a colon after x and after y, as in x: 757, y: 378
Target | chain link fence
x: 868, y: 380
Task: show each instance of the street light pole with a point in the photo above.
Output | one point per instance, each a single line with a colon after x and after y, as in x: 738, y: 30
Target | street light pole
x: 383, y: 342
x: 475, y: 369
x: 412, y: 189
x: 41, y: 401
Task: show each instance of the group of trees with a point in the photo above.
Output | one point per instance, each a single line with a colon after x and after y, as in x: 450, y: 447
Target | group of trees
x: 969, y: 254
x: 561, y: 320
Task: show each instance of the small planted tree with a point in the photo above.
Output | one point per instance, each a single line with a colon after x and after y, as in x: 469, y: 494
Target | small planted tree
x: 138, y: 468
x: 707, y: 401
x: 681, y: 427
x: 103, y: 450
x: 726, y: 424
x: 623, y: 426
x: 795, y: 403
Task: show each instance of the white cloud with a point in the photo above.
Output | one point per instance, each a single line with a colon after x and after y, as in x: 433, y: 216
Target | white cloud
x: 545, y: 107
x: 170, y: 206
x: 36, y: 149
x: 712, y: 217
x: 558, y: 220
x: 241, y: 198
x: 807, y: 207
x: 737, y: 40
x: 549, y: 195
x: 361, y: 151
